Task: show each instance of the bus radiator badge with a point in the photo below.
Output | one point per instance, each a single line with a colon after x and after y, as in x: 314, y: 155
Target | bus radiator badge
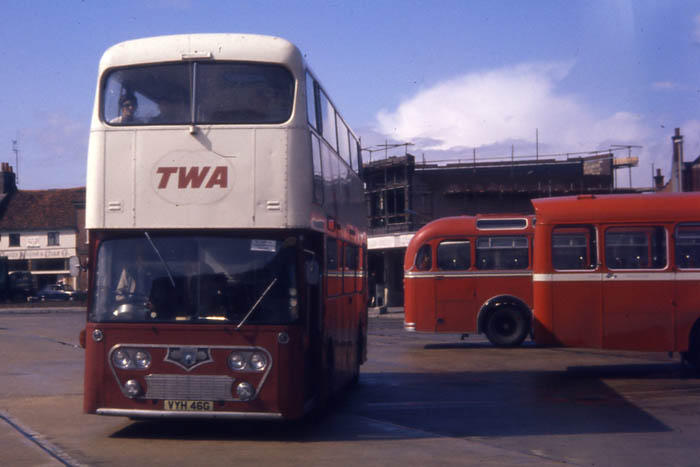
x: 188, y: 357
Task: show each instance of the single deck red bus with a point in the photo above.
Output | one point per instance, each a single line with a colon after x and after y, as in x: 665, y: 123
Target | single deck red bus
x: 227, y: 233
x: 471, y: 274
x: 619, y: 272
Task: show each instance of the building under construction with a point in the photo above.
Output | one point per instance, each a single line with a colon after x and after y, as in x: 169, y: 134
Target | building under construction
x: 402, y: 195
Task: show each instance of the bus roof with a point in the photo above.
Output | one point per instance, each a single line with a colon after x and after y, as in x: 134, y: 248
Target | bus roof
x: 245, y: 47
x: 618, y: 208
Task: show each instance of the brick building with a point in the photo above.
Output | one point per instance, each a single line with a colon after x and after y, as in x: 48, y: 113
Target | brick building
x: 41, y: 229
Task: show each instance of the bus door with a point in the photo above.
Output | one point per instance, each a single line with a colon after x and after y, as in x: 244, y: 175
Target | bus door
x: 637, y: 289
x: 576, y: 288
x: 455, y: 286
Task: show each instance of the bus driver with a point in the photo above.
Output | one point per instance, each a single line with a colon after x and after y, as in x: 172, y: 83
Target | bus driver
x: 127, y: 109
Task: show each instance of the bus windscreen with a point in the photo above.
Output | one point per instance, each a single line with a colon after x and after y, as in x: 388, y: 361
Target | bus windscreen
x: 198, y: 93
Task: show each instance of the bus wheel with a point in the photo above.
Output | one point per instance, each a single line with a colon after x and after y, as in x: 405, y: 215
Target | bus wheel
x: 358, y: 359
x: 692, y: 356
x: 506, y: 326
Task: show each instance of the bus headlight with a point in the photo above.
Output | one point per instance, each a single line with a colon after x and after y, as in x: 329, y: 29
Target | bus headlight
x: 142, y: 359
x: 258, y: 361
x: 237, y: 361
x: 130, y: 359
x: 121, y: 359
x: 132, y: 388
x: 245, y: 391
x: 248, y: 360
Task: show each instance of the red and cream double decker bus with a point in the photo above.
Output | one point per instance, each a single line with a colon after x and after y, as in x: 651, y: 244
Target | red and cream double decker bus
x: 471, y: 274
x: 619, y: 272
x: 227, y: 233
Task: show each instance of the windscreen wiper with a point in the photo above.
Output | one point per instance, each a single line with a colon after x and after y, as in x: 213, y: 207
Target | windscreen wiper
x: 160, y: 257
x: 255, y: 305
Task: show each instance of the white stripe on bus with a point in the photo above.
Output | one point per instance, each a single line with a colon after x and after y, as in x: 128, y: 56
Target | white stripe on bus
x: 644, y: 276
x: 464, y: 274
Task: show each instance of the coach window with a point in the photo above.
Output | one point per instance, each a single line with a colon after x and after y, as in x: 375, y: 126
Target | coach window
x: 635, y: 247
x: 454, y: 255
x: 502, y: 253
x: 424, y: 258
x: 688, y: 246
x: 574, y: 248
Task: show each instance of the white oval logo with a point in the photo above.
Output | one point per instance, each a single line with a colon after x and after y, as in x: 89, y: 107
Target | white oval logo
x: 192, y: 177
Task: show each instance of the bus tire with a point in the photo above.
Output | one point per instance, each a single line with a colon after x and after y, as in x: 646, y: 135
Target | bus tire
x: 692, y: 356
x: 358, y: 359
x: 507, y: 326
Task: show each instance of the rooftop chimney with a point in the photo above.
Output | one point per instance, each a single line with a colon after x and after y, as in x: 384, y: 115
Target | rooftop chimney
x: 677, y: 163
x: 8, y: 180
x: 658, y: 181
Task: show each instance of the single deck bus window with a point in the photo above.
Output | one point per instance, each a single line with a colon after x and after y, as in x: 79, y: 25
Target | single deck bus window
x: 502, y: 253
x: 501, y: 223
x: 574, y: 248
x: 424, y: 258
x: 635, y: 247
x: 688, y: 246
x: 454, y: 255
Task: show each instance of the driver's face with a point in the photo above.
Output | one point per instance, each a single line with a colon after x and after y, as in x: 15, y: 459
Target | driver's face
x: 128, y: 108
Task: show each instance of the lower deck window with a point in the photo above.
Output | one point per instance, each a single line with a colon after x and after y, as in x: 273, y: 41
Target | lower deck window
x: 195, y: 279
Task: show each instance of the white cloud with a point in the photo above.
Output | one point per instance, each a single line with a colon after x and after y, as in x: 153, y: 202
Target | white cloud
x: 489, y: 108
x: 665, y: 86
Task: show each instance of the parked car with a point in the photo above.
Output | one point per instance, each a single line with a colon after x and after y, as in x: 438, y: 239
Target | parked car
x: 57, y: 292
x: 19, y: 286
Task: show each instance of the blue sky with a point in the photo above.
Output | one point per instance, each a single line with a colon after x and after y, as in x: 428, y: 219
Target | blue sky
x: 449, y: 76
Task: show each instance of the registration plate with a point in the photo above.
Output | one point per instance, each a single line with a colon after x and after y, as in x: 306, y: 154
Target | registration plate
x: 182, y: 406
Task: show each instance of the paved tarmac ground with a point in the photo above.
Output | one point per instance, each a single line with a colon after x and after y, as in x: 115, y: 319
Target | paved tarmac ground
x: 423, y: 399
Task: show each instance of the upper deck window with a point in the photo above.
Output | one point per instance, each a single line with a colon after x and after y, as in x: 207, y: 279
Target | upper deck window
x: 198, y: 93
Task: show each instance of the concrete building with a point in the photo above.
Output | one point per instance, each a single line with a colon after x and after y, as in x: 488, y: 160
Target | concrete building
x: 402, y: 195
x: 40, y: 230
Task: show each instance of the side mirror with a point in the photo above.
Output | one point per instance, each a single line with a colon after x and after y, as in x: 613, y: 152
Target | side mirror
x: 74, y: 266
x: 313, y: 272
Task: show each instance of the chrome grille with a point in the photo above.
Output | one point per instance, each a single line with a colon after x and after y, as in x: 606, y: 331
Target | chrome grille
x: 189, y: 387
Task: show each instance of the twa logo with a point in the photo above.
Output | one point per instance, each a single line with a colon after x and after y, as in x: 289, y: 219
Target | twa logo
x: 183, y: 178
x: 193, y: 177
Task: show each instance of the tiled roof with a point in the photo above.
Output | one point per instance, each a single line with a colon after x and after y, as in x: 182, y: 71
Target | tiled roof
x: 41, y: 209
